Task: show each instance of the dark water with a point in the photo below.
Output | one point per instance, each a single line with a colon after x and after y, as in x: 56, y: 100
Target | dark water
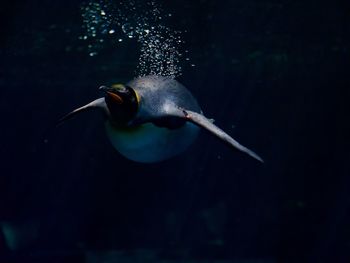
x: 276, y: 70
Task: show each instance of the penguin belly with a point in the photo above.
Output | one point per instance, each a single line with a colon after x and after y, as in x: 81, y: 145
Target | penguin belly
x: 148, y: 143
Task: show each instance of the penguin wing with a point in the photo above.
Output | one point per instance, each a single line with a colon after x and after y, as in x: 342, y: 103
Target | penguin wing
x: 98, y: 103
x: 207, y: 124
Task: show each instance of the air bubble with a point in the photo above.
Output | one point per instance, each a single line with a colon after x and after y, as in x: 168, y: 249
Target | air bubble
x: 143, y: 21
x: 128, y: 29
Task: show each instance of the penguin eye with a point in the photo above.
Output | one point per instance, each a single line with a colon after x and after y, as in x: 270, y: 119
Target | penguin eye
x: 119, y: 88
x: 122, y: 89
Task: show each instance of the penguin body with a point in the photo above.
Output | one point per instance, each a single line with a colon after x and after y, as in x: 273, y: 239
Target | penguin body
x: 153, y: 118
x: 148, y: 143
x: 151, y: 136
x: 159, y: 95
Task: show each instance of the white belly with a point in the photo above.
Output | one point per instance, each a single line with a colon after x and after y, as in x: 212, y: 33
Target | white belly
x: 148, y: 143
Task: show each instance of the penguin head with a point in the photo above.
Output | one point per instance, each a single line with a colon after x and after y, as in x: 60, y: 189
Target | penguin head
x: 122, y: 103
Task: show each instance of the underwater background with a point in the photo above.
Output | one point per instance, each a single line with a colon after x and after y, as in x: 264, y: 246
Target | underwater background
x: 273, y: 74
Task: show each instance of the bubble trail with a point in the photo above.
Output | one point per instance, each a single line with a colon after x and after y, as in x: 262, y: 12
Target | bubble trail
x: 144, y: 21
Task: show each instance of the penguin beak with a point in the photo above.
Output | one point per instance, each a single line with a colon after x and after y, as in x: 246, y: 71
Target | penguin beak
x: 110, y: 92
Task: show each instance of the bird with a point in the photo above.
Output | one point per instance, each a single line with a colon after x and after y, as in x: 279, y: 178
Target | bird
x: 153, y: 118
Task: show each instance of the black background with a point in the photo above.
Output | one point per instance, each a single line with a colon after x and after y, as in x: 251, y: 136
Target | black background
x: 276, y: 70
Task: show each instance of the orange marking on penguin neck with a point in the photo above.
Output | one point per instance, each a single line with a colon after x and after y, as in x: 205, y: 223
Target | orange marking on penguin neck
x: 116, y: 98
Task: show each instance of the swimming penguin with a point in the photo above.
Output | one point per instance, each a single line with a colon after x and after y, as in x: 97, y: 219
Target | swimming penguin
x: 153, y: 118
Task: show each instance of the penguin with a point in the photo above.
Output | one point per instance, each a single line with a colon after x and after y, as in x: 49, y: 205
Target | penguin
x: 153, y: 118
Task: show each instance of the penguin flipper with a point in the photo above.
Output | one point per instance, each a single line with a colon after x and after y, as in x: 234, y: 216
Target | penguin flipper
x: 205, y: 123
x: 98, y: 103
